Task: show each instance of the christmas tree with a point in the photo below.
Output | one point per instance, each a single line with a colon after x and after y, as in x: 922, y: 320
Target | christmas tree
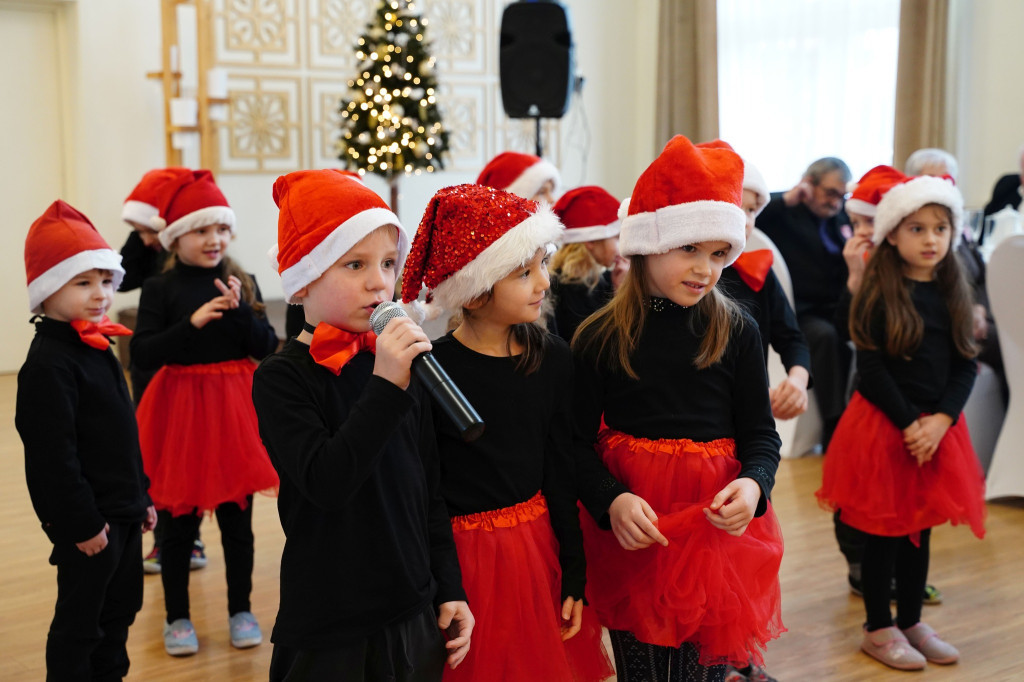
x: 390, y: 123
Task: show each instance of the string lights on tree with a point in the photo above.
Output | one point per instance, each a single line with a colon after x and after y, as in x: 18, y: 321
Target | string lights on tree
x: 390, y: 123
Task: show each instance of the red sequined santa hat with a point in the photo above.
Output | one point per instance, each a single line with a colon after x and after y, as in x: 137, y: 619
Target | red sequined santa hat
x: 865, y: 195
x: 754, y: 181
x: 60, y: 245
x: 589, y: 213
x: 905, y: 197
x: 522, y: 174
x: 197, y: 203
x: 147, y: 202
x: 689, y: 194
x: 323, y: 213
x: 471, y: 237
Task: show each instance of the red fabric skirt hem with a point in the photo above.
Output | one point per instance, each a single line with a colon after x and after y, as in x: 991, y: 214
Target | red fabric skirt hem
x: 511, y: 574
x: 714, y: 590
x: 878, y: 487
x: 200, y: 440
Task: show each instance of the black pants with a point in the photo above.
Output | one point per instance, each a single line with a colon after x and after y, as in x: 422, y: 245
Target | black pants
x: 411, y: 651
x: 830, y: 366
x: 176, y: 552
x: 886, y: 558
x: 636, y: 661
x: 97, y: 599
x: 851, y: 541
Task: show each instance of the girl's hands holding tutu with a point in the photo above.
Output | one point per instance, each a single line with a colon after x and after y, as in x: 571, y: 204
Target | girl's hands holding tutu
x: 924, y: 435
x: 733, y: 507
x: 230, y: 295
x: 634, y: 523
x: 572, y: 617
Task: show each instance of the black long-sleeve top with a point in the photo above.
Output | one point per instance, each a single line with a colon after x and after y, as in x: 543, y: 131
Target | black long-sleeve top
x: 77, y: 423
x: 936, y: 378
x: 525, y: 447
x: 774, y: 316
x: 819, y: 275
x: 575, y: 302
x: 139, y: 262
x: 368, y: 541
x: 164, y: 334
x: 672, y: 399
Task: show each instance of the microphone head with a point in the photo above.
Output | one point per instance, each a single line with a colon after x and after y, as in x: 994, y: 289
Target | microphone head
x: 384, y: 313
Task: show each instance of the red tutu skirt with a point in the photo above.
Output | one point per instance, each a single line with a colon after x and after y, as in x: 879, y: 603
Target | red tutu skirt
x: 714, y: 590
x: 510, y: 570
x: 200, y: 442
x: 878, y: 487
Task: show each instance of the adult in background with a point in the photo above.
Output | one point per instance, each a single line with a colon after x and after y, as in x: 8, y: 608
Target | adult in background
x: 1008, y: 190
x: 809, y: 226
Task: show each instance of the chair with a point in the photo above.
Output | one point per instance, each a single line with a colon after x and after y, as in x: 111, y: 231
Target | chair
x: 1005, y: 282
x: 802, y: 435
x: 984, y: 413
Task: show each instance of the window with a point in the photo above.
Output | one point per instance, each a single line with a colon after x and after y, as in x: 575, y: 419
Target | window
x: 802, y: 79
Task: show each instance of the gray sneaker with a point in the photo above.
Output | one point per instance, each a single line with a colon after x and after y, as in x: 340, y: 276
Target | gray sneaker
x: 245, y: 631
x: 180, y: 638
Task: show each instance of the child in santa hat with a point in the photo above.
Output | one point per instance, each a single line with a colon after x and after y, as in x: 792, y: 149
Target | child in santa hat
x: 142, y: 257
x: 510, y: 492
x: 370, y: 582
x: 82, y: 460
x: 901, y: 460
x: 587, y: 266
x: 672, y: 394
x: 525, y: 175
x: 201, y: 322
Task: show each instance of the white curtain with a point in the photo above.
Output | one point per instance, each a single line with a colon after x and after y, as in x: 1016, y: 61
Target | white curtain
x: 802, y: 79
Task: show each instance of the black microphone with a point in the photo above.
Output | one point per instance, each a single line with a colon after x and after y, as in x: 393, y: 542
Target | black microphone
x: 433, y: 376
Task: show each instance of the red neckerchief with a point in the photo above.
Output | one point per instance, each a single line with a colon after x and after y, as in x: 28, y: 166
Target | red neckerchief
x: 333, y: 348
x: 95, y: 333
x: 753, y: 267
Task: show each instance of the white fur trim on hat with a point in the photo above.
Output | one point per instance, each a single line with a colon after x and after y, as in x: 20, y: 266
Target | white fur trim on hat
x: 342, y: 238
x: 860, y: 207
x: 681, y: 224
x: 139, y: 213
x: 504, y: 255
x: 210, y: 215
x: 907, y: 197
x: 576, y: 235
x: 533, y: 178
x: 754, y: 181
x: 48, y: 283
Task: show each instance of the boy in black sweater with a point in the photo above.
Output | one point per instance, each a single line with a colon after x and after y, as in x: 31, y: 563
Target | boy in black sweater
x: 370, y: 581
x: 82, y: 459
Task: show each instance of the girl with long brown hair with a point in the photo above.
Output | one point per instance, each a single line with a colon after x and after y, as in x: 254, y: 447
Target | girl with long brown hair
x: 901, y: 460
x: 671, y: 397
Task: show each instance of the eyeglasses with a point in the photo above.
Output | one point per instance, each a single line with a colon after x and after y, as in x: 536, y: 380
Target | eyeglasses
x: 833, y: 194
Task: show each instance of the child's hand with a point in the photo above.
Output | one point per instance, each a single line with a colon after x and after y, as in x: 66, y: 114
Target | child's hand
x: 96, y: 544
x: 456, y: 621
x: 400, y: 342
x: 150, y: 522
x: 634, y: 523
x: 853, y: 253
x: 215, y: 307
x: 619, y: 269
x: 733, y: 507
x: 572, y: 617
x: 789, y: 398
x: 927, y: 437
x: 980, y: 322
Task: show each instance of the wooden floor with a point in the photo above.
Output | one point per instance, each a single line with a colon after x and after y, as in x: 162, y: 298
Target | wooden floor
x: 983, y: 613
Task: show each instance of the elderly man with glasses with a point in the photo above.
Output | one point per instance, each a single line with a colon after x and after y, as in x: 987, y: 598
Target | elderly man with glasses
x: 808, y: 225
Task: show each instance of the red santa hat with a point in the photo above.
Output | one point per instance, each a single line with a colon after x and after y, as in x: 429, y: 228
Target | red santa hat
x: 197, y: 203
x: 522, y: 174
x: 62, y: 244
x: 471, y: 237
x: 689, y: 194
x: 754, y: 181
x: 323, y: 214
x: 905, y: 197
x: 147, y: 202
x: 589, y: 213
x: 868, y: 191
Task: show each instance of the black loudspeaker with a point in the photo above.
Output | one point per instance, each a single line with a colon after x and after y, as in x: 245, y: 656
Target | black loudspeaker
x: 535, y: 59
